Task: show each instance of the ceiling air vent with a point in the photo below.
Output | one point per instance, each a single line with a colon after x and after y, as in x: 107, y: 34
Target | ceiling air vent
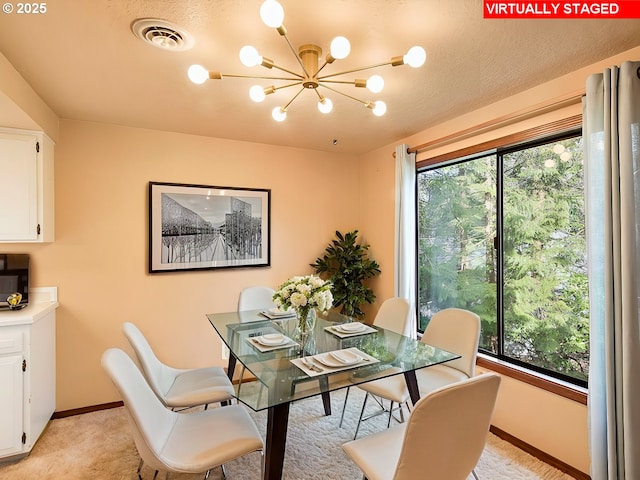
x: 162, y: 34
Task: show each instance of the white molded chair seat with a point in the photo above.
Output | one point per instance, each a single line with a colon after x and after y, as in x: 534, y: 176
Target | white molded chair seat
x: 437, y: 376
x: 177, y: 387
x: 173, y: 442
x: 390, y: 388
x: 443, y: 438
x: 393, y: 315
x: 455, y: 330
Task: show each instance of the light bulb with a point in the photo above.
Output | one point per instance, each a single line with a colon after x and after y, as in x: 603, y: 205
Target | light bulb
x: 279, y: 114
x: 198, y: 74
x: 340, y: 48
x: 272, y: 13
x: 415, y: 57
x: 257, y: 93
x: 249, y: 56
x: 380, y: 108
x: 375, y: 83
x: 325, y: 105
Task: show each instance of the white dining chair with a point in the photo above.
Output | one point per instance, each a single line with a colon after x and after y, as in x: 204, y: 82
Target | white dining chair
x: 443, y: 438
x: 455, y: 330
x: 254, y: 298
x: 394, y: 315
x: 178, y: 388
x: 173, y: 442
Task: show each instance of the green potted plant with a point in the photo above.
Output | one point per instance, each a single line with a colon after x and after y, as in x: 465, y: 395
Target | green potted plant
x: 346, y: 264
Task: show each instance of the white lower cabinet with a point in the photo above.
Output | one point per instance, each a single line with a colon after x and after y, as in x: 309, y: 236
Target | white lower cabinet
x: 11, y: 404
x: 27, y: 376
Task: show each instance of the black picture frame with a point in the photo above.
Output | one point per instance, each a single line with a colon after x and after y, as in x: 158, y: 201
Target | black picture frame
x: 203, y: 227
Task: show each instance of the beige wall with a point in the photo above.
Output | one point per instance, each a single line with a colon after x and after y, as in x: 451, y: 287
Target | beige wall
x: 99, y: 257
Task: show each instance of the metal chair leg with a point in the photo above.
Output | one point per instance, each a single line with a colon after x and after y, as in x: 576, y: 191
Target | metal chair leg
x: 262, y: 463
x: 391, y: 413
x: 474, y: 474
x: 364, y: 404
x: 344, y: 407
x: 140, y: 468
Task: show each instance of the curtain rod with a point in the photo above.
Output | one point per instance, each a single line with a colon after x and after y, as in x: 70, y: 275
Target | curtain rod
x: 508, y: 119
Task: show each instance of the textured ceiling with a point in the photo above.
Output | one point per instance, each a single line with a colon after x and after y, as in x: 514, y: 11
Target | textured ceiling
x: 84, y: 61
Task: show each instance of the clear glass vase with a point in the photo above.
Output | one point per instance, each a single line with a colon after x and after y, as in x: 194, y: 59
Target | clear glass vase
x: 306, y: 323
x: 304, y: 327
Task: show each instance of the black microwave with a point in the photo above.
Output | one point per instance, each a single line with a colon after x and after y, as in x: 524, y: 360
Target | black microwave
x: 14, y: 277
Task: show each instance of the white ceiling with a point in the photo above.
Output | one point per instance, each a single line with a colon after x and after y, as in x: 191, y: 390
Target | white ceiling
x: 84, y: 61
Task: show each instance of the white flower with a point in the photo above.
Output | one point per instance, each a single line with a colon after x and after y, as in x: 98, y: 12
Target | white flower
x: 298, y: 300
x: 304, y: 292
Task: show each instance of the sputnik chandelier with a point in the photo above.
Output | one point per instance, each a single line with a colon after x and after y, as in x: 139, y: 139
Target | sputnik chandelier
x: 308, y: 57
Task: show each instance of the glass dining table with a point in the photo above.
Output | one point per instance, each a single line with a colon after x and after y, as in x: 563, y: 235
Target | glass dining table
x: 288, y: 367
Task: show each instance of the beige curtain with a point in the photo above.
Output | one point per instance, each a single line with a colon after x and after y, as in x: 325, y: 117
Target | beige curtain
x: 611, y: 132
x: 405, y: 232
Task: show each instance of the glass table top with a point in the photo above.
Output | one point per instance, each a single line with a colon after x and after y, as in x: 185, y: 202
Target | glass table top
x: 278, y: 378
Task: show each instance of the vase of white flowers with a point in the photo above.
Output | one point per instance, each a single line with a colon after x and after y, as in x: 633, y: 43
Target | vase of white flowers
x: 304, y: 295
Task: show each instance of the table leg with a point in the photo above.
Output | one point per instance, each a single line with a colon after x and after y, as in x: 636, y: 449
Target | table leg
x: 231, y: 366
x: 412, y: 386
x: 326, y: 399
x: 277, y: 421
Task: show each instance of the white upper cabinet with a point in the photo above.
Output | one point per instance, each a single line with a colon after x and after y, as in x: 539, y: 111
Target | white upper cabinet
x: 26, y: 186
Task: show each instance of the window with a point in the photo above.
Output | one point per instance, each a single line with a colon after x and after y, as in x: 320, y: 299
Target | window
x: 503, y: 234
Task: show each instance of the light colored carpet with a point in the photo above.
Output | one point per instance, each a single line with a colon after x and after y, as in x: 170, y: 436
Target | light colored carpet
x: 99, y: 446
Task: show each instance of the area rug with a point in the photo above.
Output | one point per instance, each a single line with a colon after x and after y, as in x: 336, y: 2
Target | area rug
x: 99, y: 446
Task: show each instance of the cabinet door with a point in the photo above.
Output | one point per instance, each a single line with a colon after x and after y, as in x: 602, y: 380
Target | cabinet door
x: 11, y: 404
x: 18, y: 187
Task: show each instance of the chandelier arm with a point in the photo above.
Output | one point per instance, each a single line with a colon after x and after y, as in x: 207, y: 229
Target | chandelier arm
x: 288, y: 71
x: 280, y: 87
x: 346, y: 82
x: 323, y: 65
x: 366, y: 104
x: 298, y: 79
x: 391, y: 62
x: 295, y: 54
x: 284, y: 109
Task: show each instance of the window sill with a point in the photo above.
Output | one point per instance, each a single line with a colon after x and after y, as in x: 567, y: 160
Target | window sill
x: 553, y: 385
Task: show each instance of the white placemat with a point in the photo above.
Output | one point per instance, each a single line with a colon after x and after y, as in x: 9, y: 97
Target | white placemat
x: 339, y: 333
x: 272, y: 316
x: 313, y: 367
x: 267, y: 348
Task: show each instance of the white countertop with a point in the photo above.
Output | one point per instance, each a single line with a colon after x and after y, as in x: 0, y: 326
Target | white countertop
x: 42, y: 302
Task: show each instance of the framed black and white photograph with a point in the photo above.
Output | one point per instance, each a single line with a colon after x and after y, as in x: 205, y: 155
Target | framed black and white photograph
x: 194, y: 227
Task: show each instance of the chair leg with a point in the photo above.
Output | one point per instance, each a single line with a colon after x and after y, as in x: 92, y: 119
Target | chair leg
x: 140, y: 468
x: 391, y: 413
x: 155, y: 475
x: 474, y: 474
x: 262, y: 460
x: 166, y: 476
x: 344, y: 407
x: 364, y: 404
